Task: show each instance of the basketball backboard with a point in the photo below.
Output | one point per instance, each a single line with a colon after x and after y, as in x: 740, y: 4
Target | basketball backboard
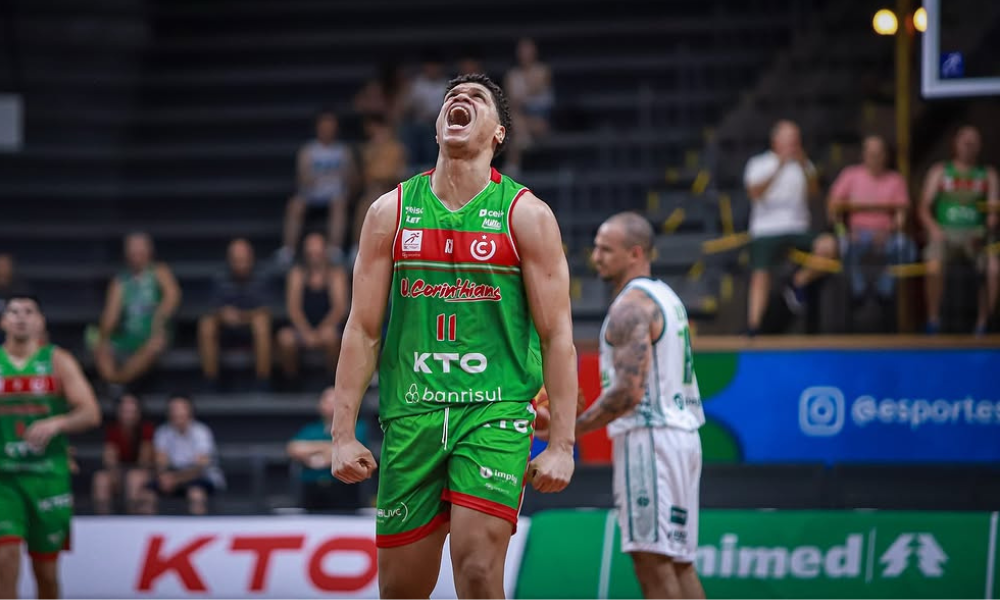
x: 955, y: 62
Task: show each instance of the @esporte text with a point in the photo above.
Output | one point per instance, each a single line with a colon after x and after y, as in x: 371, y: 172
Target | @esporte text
x: 824, y: 410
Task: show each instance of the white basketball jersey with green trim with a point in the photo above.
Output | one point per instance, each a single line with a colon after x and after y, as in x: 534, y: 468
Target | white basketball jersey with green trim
x: 672, y: 398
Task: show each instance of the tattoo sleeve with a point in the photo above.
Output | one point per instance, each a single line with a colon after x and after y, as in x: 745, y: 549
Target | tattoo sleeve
x: 628, y: 332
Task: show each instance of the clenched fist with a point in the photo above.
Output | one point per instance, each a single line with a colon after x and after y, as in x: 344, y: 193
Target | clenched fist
x: 352, y: 462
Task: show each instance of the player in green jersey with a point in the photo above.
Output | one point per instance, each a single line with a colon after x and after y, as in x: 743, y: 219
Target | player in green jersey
x: 479, y: 287
x: 43, y: 396
x: 951, y: 210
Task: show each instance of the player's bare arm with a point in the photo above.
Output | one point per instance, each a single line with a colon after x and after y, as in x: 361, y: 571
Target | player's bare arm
x: 362, y: 336
x: 546, y: 283
x: 631, y: 321
x: 84, y: 412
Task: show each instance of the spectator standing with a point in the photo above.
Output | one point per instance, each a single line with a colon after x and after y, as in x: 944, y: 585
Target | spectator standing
x: 951, y: 210
x: 529, y: 90
x: 127, y: 457
x: 779, y: 183
x: 240, y: 315
x: 875, y: 200
x: 135, y: 326
x: 316, y: 301
x: 326, y: 173
x: 423, y: 102
x: 186, y: 459
x: 312, y: 448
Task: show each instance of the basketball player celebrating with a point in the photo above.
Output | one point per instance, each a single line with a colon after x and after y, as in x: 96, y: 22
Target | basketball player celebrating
x: 651, y: 405
x: 479, y: 287
x: 43, y: 395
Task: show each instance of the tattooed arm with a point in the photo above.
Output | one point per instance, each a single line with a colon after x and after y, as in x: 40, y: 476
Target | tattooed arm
x: 631, y: 323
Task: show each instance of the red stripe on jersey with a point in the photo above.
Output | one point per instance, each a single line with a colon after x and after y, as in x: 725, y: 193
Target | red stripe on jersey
x: 510, y: 220
x: 467, y: 247
x: 28, y: 384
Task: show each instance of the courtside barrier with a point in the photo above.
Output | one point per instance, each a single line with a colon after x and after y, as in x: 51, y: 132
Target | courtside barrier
x: 234, y: 557
x: 777, y: 554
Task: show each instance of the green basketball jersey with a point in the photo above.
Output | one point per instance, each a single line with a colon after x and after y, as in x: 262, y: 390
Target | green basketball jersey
x: 459, y: 330
x: 141, y: 294
x: 29, y: 394
x: 955, y: 203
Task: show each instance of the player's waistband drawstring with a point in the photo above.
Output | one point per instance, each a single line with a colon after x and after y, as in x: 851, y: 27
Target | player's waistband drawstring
x: 444, y: 430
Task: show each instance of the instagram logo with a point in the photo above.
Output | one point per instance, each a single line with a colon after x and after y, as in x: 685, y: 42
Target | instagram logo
x: 821, y: 411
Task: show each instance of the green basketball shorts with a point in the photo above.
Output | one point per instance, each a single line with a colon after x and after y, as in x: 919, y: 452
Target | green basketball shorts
x: 36, y: 508
x: 474, y: 456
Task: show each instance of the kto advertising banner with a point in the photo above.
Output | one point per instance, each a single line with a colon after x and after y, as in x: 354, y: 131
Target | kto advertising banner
x: 234, y: 557
x: 851, y: 405
x: 778, y: 554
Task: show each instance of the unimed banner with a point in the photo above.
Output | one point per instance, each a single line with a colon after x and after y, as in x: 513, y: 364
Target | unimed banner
x: 778, y: 554
x: 233, y: 557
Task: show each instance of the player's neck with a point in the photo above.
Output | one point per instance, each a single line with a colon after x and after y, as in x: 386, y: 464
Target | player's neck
x: 20, y: 350
x: 628, y: 276
x: 456, y: 181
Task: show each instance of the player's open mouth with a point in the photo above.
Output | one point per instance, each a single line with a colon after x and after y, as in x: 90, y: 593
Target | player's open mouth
x: 459, y: 117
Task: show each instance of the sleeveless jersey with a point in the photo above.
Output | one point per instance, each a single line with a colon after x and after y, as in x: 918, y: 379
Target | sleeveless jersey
x: 672, y: 398
x: 955, y: 203
x: 27, y: 395
x: 459, y: 331
x: 141, y: 294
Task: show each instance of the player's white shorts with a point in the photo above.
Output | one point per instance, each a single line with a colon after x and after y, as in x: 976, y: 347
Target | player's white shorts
x: 657, y: 472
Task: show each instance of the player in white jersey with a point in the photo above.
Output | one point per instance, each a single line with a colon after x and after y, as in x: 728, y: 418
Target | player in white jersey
x: 652, y: 408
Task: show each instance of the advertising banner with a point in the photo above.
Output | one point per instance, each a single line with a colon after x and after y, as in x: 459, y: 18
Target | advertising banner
x: 855, y: 405
x: 778, y: 554
x: 233, y: 557
x: 830, y: 406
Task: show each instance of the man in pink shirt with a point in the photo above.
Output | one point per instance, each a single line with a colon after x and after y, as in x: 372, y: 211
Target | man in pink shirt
x: 875, y: 200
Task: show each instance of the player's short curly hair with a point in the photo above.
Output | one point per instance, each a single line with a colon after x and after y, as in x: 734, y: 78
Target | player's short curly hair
x: 499, y: 101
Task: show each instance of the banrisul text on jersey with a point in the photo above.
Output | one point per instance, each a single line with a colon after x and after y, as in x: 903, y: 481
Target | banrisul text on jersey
x: 28, y: 394
x: 460, y: 331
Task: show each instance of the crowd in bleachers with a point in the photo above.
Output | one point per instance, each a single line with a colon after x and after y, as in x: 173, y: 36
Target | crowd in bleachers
x: 872, y: 227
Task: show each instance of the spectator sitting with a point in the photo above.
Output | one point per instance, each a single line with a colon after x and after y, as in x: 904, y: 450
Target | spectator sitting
x: 312, y: 447
x: 127, y: 457
x: 383, y: 166
x: 185, y: 459
x: 239, y: 316
x: 529, y: 90
x: 779, y: 183
x: 877, y: 200
x: 384, y: 95
x: 316, y: 300
x: 423, y: 102
x: 958, y: 227
x: 135, y: 325
x: 326, y: 174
